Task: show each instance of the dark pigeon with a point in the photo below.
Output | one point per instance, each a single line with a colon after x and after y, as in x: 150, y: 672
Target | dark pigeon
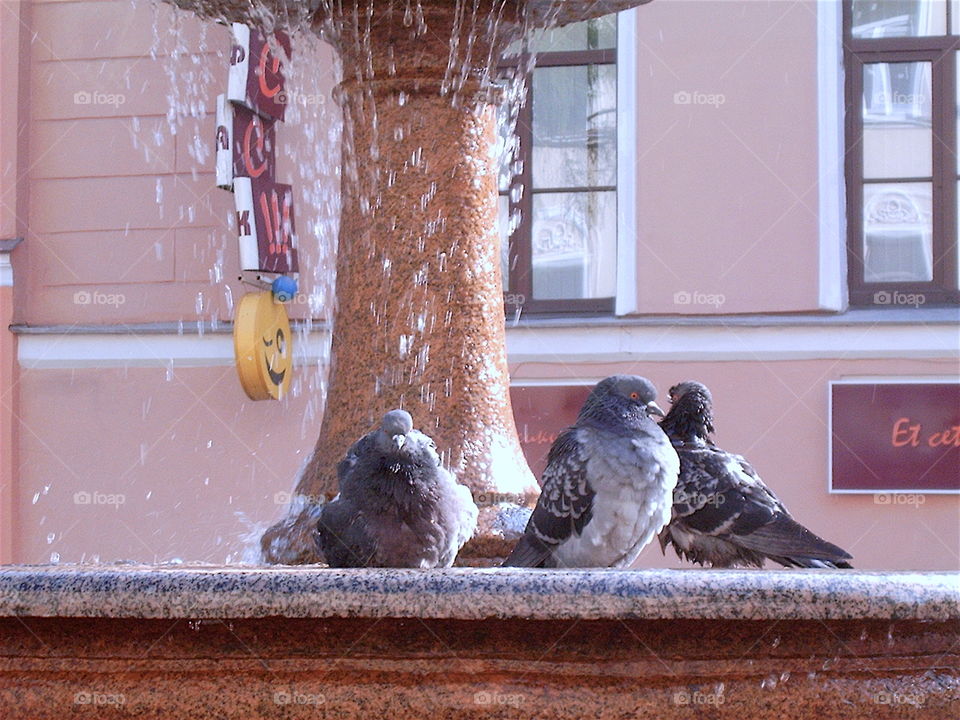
x: 397, y: 506
x: 723, y: 514
x: 608, y: 484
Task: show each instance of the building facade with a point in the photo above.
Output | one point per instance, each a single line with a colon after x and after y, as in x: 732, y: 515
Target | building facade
x: 780, y: 221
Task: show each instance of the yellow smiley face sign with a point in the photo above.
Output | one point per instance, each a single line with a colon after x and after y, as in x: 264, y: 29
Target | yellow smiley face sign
x: 262, y: 346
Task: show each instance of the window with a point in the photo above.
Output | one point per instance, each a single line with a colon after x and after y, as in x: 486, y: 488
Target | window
x: 558, y: 186
x: 902, y: 161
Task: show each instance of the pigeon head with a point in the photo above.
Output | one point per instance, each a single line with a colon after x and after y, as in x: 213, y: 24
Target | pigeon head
x: 622, y: 398
x: 394, y: 428
x: 691, y: 412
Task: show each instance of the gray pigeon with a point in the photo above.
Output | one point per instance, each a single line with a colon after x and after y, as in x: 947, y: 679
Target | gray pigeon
x: 608, y: 484
x: 397, y: 506
x: 723, y: 514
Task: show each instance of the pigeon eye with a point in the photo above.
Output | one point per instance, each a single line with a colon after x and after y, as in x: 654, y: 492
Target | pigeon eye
x: 634, y: 396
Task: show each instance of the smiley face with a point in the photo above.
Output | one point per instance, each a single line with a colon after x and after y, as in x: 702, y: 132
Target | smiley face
x: 275, y: 356
x: 261, y: 339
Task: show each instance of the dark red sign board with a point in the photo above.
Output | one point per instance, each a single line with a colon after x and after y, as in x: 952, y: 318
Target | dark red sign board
x: 542, y: 413
x: 254, y: 145
x: 257, y: 72
x: 265, y: 225
x: 895, y: 437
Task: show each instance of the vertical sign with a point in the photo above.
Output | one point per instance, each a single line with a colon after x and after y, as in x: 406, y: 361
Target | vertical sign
x: 246, y: 150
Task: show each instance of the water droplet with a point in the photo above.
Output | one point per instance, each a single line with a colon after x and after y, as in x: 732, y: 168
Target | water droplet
x: 36, y: 497
x: 54, y: 557
x: 51, y: 537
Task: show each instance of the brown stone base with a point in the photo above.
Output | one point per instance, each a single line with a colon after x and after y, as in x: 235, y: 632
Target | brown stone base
x: 392, y: 668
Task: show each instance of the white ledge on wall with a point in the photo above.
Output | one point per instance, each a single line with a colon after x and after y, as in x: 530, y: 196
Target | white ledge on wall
x: 862, y: 335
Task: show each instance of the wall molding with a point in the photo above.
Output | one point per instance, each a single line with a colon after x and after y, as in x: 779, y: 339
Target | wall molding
x: 626, y: 300
x: 832, y: 293
x: 575, y: 344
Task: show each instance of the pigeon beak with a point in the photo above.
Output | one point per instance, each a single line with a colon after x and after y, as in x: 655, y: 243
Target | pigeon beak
x: 399, y: 440
x: 655, y: 409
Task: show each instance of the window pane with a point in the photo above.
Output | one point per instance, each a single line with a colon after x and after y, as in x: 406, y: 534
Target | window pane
x: 898, y: 232
x: 575, y: 126
x: 574, y: 245
x: 597, y: 34
x: 897, y: 131
x: 899, y: 18
x: 503, y: 226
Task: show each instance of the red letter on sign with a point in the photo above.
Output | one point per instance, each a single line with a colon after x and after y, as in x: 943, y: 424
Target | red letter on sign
x: 265, y: 54
x: 909, y: 435
x: 254, y: 126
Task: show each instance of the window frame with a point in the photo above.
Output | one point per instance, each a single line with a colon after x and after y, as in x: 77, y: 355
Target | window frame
x: 941, y: 52
x: 519, y: 244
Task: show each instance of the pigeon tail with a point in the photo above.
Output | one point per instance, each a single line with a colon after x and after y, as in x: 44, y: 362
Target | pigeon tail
x: 784, y: 539
x: 529, y: 552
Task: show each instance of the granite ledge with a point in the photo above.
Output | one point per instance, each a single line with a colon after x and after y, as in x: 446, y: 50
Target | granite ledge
x: 471, y: 594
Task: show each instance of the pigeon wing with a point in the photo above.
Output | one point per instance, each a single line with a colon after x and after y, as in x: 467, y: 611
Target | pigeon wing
x: 565, y: 505
x: 342, y: 535
x: 734, y: 503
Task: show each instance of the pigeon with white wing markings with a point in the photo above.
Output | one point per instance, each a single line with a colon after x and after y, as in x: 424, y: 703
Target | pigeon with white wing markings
x: 723, y: 514
x: 397, y: 506
x: 608, y: 484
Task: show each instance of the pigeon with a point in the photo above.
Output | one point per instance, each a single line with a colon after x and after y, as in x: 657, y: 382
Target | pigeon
x: 723, y: 514
x: 397, y: 506
x: 608, y: 484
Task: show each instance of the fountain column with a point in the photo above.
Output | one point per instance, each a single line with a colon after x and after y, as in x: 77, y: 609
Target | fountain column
x: 419, y: 321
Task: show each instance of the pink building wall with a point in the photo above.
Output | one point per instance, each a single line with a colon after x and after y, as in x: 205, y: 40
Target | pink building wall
x: 727, y: 203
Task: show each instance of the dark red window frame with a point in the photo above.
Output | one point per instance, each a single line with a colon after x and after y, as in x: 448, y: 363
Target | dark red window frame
x: 521, y: 193
x: 940, y: 52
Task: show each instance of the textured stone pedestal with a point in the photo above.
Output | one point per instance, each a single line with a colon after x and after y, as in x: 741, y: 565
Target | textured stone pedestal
x: 234, y: 643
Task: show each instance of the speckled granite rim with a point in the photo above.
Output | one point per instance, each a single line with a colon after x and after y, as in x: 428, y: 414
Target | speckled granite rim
x: 467, y: 593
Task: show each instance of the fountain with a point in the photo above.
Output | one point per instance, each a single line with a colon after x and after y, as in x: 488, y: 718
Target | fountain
x: 419, y: 321
x: 418, y: 264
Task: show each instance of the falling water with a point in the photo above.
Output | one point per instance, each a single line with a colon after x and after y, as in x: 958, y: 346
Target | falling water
x: 194, y: 60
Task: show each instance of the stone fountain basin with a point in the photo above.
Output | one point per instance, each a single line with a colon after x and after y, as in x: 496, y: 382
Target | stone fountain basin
x: 305, y: 642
